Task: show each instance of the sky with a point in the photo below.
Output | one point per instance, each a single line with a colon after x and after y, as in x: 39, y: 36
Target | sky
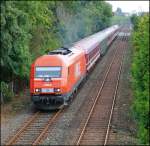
x: 130, y: 6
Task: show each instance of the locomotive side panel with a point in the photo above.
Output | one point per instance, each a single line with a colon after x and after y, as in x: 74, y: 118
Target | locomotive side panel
x: 76, y: 72
x: 32, y: 78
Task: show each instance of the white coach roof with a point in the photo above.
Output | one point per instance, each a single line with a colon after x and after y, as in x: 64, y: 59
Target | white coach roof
x: 89, y: 42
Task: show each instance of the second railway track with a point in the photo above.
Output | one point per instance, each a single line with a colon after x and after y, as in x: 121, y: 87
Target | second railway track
x: 95, y: 130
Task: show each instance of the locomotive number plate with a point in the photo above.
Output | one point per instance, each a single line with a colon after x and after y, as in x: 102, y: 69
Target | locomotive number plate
x: 47, y: 90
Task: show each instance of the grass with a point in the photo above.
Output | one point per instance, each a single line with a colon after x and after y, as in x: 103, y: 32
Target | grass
x: 17, y: 105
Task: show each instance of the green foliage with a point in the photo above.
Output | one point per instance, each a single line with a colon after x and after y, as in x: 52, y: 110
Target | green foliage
x: 78, y: 19
x: 134, y: 20
x: 32, y: 28
x: 24, y: 29
x: 140, y: 77
x: 6, y: 92
x: 119, y: 20
x: 14, y: 40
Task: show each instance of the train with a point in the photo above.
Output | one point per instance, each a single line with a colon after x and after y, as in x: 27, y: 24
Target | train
x: 56, y: 76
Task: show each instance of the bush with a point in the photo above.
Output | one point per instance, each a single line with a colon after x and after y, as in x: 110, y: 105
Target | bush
x: 140, y: 77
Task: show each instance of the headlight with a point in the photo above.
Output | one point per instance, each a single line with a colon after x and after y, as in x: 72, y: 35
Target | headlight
x: 37, y: 90
x: 57, y: 89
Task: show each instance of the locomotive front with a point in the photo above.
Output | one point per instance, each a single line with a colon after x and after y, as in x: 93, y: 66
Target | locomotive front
x: 47, y: 82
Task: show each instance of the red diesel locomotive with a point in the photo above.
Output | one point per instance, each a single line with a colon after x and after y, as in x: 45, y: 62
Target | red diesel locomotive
x: 55, y: 77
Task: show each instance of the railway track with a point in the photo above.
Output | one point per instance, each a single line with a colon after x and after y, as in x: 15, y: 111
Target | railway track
x: 34, y: 130
x: 97, y: 125
x: 111, y: 137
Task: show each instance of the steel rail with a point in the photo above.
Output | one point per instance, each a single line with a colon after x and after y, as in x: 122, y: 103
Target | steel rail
x: 23, y: 128
x: 114, y: 99
x: 89, y: 115
x: 31, y: 120
x: 50, y: 121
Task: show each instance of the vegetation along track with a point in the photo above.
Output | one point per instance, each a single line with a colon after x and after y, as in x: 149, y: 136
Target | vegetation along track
x: 97, y: 126
x: 34, y: 129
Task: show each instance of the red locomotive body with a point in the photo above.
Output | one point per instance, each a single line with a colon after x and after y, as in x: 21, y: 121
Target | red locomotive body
x: 56, y: 76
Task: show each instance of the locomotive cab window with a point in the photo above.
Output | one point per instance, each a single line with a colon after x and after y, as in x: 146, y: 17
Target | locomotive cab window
x: 50, y: 72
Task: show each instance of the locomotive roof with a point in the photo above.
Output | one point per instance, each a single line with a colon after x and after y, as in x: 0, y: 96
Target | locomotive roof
x: 61, y: 56
x: 72, y: 56
x: 91, y: 41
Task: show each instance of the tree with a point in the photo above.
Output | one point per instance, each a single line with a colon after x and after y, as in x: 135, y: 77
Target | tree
x: 134, y: 19
x: 24, y: 36
x: 119, y: 12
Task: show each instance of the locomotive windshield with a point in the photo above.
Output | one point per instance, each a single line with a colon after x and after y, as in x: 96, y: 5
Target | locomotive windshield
x: 52, y: 72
